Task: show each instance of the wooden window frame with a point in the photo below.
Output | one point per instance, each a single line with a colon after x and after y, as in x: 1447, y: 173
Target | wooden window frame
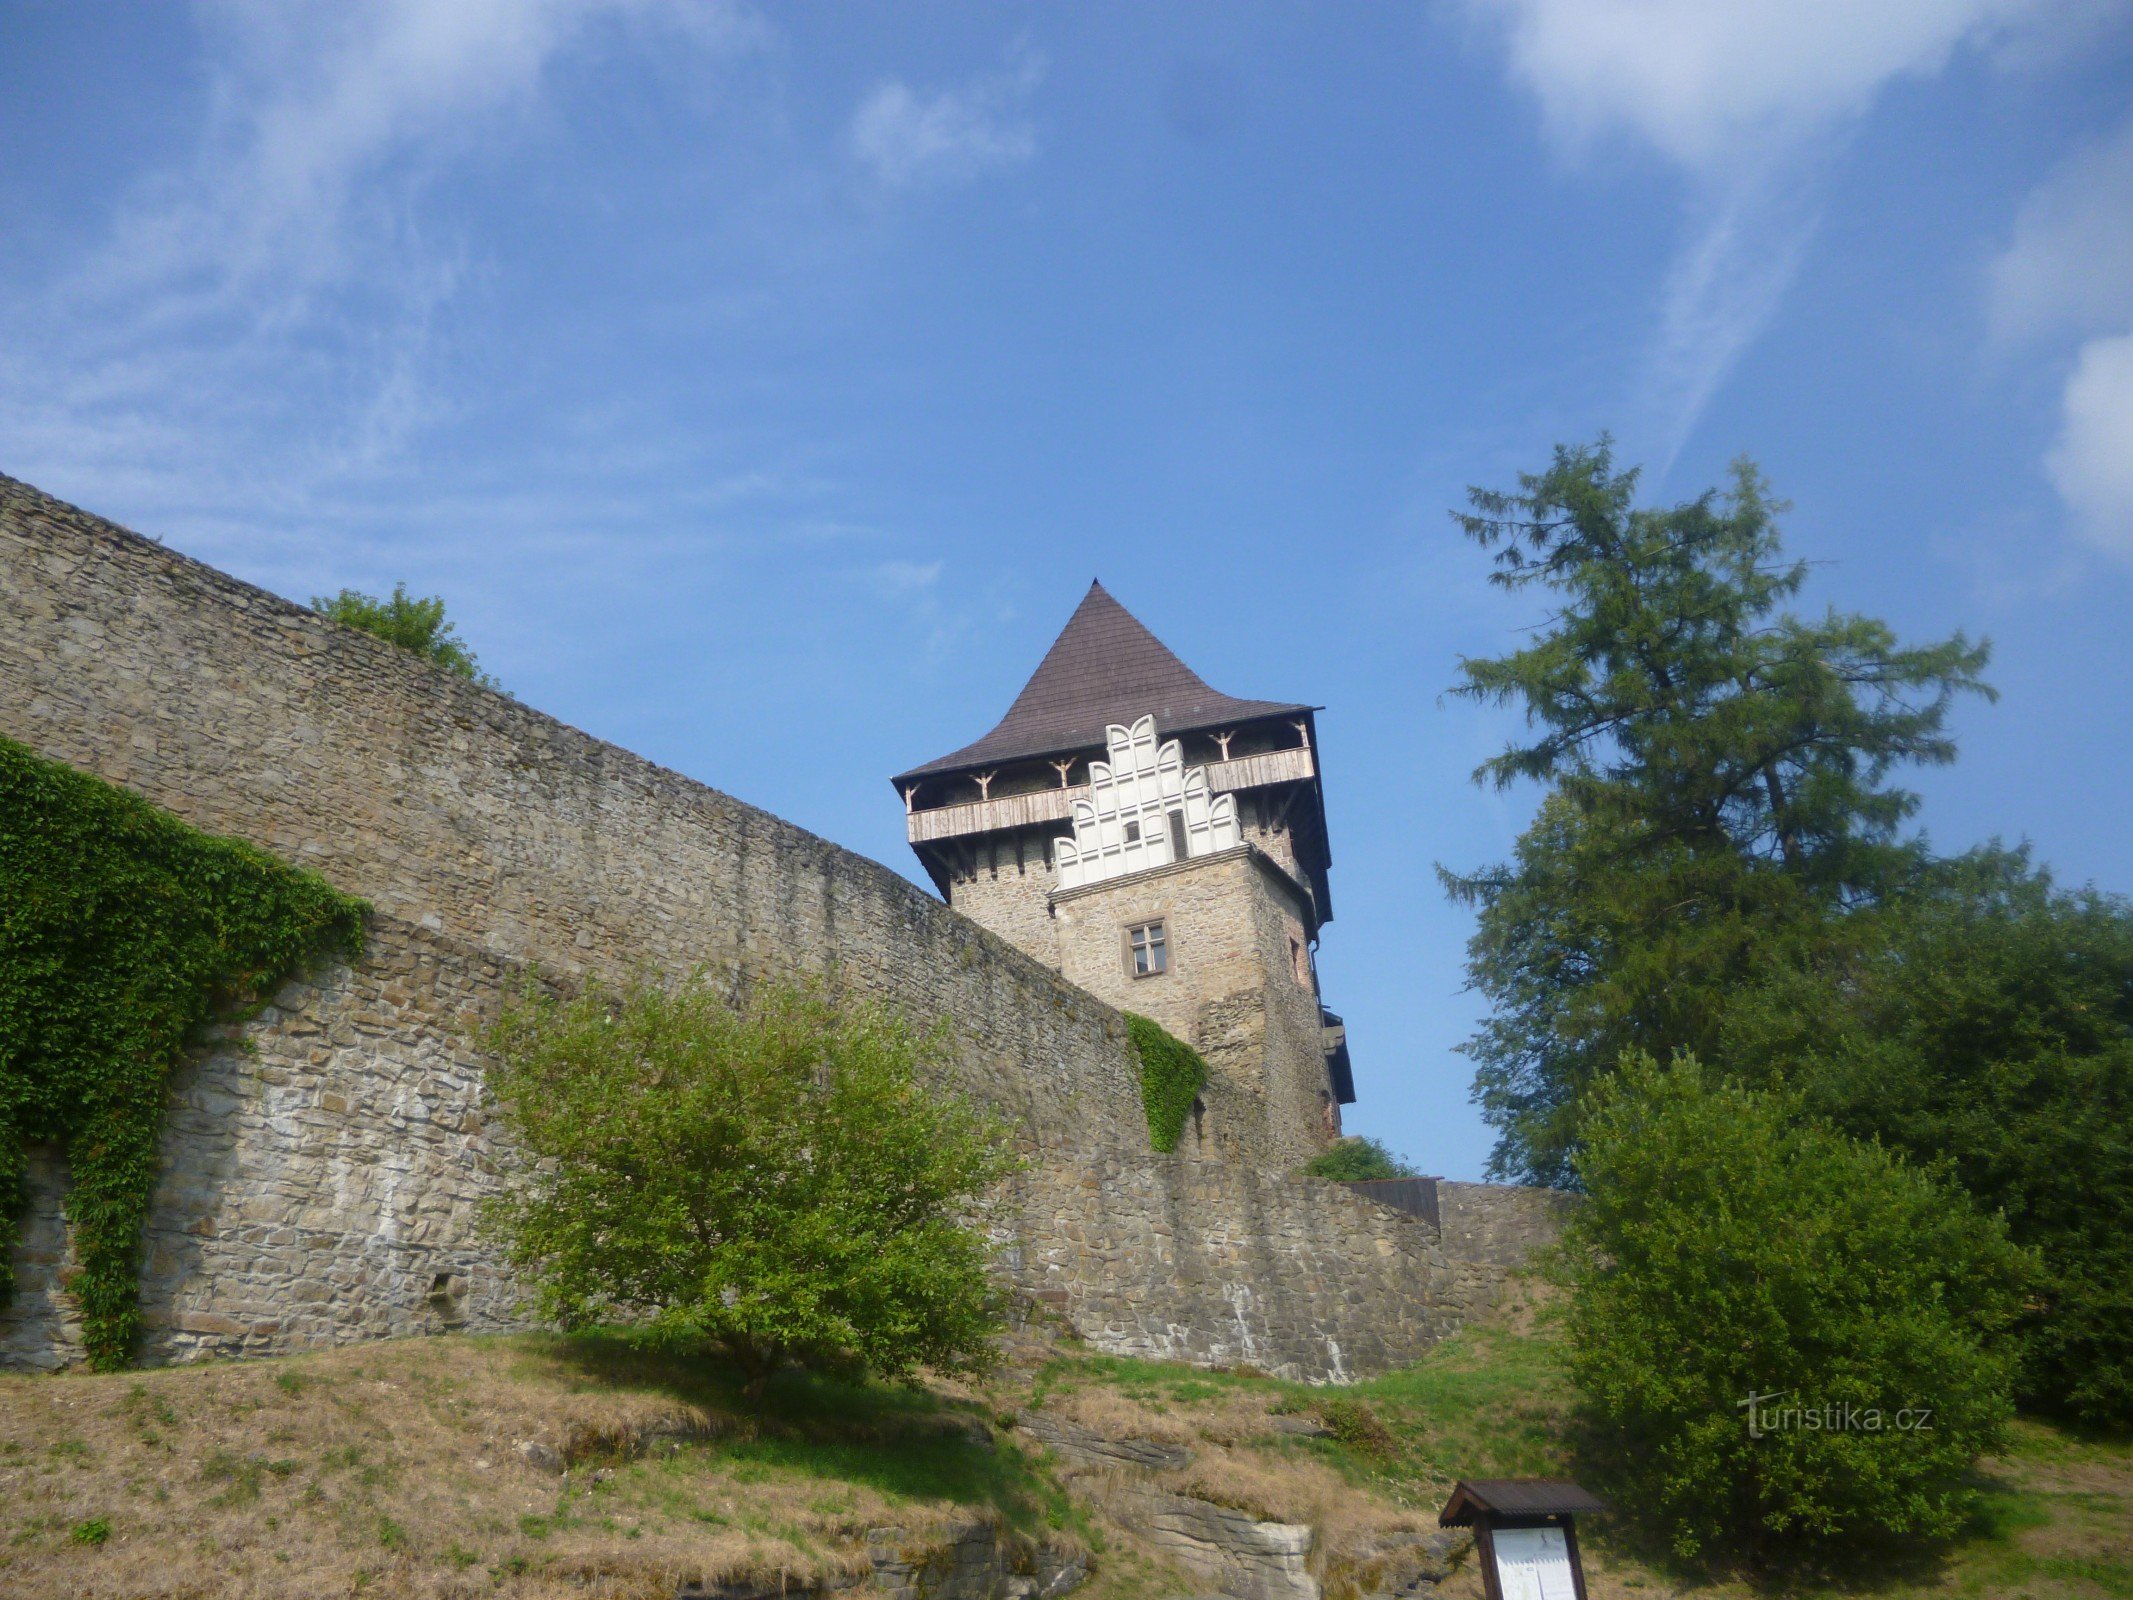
x: 1159, y: 944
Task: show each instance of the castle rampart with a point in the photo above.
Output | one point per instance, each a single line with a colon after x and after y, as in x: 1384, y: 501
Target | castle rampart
x: 322, y: 1166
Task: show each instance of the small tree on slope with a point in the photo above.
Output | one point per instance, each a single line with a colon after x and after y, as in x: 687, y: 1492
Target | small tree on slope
x: 771, y: 1177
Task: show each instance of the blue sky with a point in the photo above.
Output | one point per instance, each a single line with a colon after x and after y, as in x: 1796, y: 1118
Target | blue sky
x: 762, y: 387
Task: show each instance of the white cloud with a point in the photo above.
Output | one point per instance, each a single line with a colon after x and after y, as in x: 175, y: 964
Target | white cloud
x: 899, y: 579
x: 1707, y: 82
x: 906, y: 138
x: 2069, y: 270
x: 1747, y: 98
x: 2091, y: 465
x: 2069, y: 267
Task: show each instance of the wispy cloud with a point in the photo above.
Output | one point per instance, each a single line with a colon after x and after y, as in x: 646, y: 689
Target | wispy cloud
x: 1747, y: 99
x: 284, y: 259
x: 2068, y: 271
x: 906, y: 138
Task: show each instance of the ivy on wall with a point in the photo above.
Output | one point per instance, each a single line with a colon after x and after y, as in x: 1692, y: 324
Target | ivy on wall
x: 1172, y: 1076
x: 122, y: 931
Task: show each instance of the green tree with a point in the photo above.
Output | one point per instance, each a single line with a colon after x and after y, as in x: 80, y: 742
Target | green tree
x: 1988, y: 1025
x: 772, y: 1177
x: 1357, y: 1160
x: 412, y: 624
x: 1730, y: 1247
x: 1718, y: 780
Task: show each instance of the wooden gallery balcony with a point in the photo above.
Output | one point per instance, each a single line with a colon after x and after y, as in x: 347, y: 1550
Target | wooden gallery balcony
x: 1057, y: 805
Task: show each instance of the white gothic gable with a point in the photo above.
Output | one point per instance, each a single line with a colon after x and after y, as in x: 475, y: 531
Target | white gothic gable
x: 1142, y: 804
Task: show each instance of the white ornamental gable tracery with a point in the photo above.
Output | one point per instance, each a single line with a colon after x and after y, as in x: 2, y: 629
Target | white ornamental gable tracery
x: 1145, y: 808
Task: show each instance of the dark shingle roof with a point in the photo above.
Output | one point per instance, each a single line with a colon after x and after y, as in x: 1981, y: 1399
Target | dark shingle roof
x: 1104, y: 667
x: 1516, y: 1497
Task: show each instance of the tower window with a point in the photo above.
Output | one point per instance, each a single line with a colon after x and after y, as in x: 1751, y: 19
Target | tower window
x: 1133, y: 833
x: 1147, y: 949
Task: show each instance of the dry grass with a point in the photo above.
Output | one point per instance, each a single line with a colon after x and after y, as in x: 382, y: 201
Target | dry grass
x: 397, y: 1469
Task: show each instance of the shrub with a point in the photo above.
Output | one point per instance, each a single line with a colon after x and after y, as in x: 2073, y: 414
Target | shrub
x: 1357, y: 1160
x: 772, y: 1177
x: 1731, y: 1248
x: 1357, y: 1426
x: 411, y: 623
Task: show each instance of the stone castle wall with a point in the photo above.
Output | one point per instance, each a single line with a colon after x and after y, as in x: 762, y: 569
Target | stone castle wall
x: 1498, y: 1224
x: 323, y: 1165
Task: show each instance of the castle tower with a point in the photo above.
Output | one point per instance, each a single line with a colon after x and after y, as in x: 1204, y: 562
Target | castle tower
x: 1164, y: 846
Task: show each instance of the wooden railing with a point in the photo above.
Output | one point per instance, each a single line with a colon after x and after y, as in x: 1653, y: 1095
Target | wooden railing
x: 1056, y: 805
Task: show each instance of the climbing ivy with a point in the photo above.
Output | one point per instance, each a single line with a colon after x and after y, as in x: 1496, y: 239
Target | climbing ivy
x: 122, y: 931
x: 1172, y: 1075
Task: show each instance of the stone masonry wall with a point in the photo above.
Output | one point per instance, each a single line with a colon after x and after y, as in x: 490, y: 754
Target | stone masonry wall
x: 1231, y: 989
x: 1012, y: 896
x: 456, y: 809
x: 1223, y: 1264
x: 1499, y: 1224
x: 323, y: 1165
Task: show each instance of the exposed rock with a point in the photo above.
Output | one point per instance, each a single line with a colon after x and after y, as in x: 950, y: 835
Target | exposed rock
x: 1300, y: 1427
x: 541, y: 1457
x: 1397, y: 1565
x: 1075, y: 1443
x: 1245, y: 1558
x: 977, y: 1561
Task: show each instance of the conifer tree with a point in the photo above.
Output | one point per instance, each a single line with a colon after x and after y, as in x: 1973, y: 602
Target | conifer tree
x: 1718, y: 773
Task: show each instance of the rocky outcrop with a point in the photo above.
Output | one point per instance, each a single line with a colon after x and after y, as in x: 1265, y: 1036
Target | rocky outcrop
x: 1242, y: 1556
x: 978, y: 1561
x: 975, y: 1560
x: 1072, y: 1442
x: 1403, y: 1566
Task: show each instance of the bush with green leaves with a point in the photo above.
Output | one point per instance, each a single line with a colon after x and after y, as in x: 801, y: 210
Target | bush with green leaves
x: 1987, y: 1023
x: 783, y: 1178
x: 412, y: 623
x: 1357, y: 1160
x: 1732, y: 1248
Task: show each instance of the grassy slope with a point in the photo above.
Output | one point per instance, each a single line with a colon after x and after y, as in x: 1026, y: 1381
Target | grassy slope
x: 2056, y: 1521
x: 394, y: 1469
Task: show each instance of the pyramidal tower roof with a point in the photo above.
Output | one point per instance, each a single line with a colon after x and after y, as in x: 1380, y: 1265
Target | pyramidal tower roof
x: 1104, y: 667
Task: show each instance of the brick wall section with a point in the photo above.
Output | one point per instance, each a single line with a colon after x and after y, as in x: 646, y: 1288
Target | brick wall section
x: 322, y: 1168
